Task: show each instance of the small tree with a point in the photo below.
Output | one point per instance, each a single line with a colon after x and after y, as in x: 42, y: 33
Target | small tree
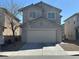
x: 14, y: 12
x: 13, y: 28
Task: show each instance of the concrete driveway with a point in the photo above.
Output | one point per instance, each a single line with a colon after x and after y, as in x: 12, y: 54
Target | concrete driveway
x: 49, y: 50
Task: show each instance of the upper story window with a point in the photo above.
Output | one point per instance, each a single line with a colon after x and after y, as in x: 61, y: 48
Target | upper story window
x: 51, y: 15
x: 33, y: 14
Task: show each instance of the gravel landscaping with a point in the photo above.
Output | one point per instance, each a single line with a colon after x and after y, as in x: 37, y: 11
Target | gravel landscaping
x: 70, y: 47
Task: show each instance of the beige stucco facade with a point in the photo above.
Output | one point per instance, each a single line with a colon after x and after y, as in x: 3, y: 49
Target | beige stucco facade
x: 70, y: 27
x: 38, y: 10
x: 41, y: 28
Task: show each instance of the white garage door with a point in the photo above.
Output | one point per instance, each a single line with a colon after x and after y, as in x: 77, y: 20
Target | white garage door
x: 41, y: 36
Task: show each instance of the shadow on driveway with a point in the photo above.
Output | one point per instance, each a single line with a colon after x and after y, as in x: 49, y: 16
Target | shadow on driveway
x: 76, y: 55
x: 12, y: 47
x: 31, y: 46
x: 76, y: 42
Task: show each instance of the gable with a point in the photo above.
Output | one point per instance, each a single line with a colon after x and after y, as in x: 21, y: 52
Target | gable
x: 40, y: 5
x: 47, y: 6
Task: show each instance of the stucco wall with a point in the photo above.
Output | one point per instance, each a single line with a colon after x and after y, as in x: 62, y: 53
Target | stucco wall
x: 42, y: 23
x: 47, y: 9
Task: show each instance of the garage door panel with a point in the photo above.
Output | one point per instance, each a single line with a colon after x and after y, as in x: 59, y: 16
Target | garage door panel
x: 41, y: 36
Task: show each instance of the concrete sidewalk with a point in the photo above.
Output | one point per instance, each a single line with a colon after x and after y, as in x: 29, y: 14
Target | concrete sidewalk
x: 72, y: 52
x: 51, y: 50
x: 57, y: 50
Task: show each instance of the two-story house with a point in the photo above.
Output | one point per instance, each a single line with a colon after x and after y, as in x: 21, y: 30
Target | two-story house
x: 41, y: 23
x: 5, y: 26
x: 71, y: 27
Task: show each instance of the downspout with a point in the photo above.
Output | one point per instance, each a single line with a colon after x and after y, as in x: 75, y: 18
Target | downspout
x: 56, y: 36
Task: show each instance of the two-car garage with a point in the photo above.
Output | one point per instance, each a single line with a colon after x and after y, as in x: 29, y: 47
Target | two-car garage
x: 43, y: 36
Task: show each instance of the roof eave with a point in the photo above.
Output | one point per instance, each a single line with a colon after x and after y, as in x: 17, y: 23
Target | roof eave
x: 21, y: 9
x: 71, y: 16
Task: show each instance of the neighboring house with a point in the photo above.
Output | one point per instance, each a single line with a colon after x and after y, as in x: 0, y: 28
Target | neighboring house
x: 1, y: 27
x: 41, y: 23
x: 71, y: 27
x: 5, y: 17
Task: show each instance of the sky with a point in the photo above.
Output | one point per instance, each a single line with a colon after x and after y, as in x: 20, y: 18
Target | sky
x: 68, y: 7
